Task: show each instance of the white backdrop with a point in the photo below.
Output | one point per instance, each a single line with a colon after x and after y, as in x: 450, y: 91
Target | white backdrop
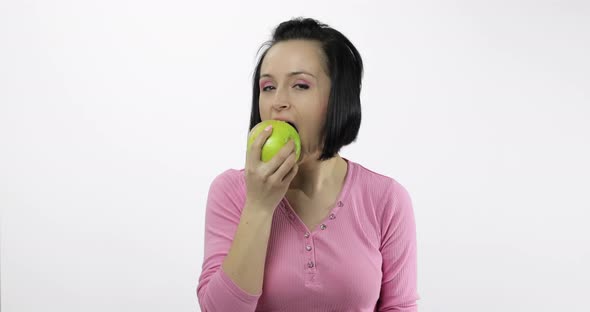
x: 115, y: 116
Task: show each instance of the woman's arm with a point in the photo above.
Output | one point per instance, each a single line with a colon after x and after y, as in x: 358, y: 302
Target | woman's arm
x: 244, y: 263
x: 235, y: 250
x: 398, y: 249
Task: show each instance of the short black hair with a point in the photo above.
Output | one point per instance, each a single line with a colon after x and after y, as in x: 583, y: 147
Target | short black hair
x: 345, y: 69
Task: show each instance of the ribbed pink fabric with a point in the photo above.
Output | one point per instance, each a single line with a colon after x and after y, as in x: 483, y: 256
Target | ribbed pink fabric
x: 361, y: 258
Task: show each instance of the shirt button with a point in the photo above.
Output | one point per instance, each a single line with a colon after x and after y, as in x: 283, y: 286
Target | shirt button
x: 340, y: 204
x: 306, y: 235
x: 310, y: 264
x: 308, y: 248
x: 332, y: 216
x: 323, y: 227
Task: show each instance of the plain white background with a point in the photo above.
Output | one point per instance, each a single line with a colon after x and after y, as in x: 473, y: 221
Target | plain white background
x: 115, y: 116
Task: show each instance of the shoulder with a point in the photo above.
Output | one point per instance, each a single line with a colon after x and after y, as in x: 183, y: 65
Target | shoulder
x: 383, y: 197
x: 229, y: 185
x: 229, y: 178
x: 227, y: 195
x: 380, y: 201
x: 371, y: 183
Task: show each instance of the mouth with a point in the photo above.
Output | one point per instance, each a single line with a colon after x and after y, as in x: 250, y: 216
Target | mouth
x: 292, y: 125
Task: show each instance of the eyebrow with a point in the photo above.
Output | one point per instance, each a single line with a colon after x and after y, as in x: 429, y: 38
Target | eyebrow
x: 290, y: 74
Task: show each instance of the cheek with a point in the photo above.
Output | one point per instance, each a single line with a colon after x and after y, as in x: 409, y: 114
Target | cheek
x: 313, y: 128
x: 263, y: 109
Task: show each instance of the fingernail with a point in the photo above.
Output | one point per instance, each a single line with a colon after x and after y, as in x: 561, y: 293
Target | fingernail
x: 268, y: 128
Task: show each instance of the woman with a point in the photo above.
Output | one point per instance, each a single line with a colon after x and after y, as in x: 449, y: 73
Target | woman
x: 319, y: 234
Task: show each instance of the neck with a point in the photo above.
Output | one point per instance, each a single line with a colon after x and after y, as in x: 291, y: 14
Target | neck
x: 313, y: 175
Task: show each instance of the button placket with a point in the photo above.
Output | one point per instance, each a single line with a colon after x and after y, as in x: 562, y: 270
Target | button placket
x: 308, y: 241
x: 311, y: 265
x: 332, y: 216
x: 310, y: 253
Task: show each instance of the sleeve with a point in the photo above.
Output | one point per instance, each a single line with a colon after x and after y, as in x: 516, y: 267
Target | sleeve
x: 398, y: 250
x: 215, y: 290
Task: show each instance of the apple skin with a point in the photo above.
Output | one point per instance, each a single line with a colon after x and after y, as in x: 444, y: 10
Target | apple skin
x: 281, y: 133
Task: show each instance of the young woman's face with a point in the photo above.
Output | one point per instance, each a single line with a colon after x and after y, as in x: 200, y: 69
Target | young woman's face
x: 294, y: 86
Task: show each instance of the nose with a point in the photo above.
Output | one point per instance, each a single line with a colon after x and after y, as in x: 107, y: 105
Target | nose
x: 281, y: 100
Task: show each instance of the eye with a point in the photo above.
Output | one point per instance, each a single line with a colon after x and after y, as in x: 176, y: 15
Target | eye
x: 266, y: 88
x: 302, y: 86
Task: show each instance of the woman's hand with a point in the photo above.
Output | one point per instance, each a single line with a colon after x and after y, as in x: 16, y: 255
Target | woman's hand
x: 267, y: 183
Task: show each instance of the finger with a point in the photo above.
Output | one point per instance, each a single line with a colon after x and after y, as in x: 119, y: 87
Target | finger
x: 285, y: 167
x: 292, y: 173
x: 280, y: 157
x: 256, y: 147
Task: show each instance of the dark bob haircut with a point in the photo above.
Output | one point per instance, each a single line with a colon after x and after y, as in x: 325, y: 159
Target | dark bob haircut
x: 345, y: 69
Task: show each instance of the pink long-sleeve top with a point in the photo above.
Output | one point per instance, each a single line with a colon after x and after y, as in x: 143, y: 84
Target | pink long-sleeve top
x: 362, y: 257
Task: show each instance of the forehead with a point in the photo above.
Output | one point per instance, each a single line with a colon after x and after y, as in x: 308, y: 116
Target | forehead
x: 293, y: 55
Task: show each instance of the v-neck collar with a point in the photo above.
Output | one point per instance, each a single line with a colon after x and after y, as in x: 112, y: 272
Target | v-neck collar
x: 289, y: 212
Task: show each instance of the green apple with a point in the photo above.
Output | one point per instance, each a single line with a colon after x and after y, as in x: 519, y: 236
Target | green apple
x: 282, y: 132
